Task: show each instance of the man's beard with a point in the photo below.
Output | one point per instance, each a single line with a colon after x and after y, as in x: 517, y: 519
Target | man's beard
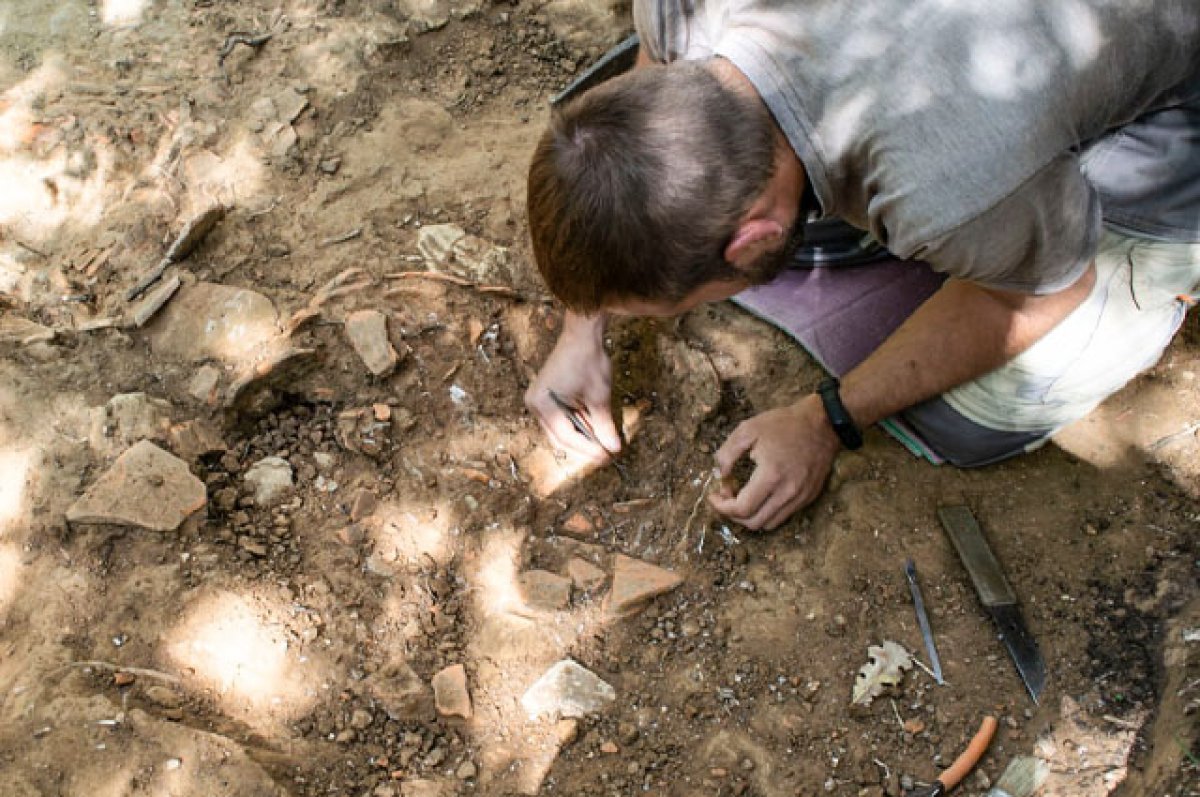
x: 771, y: 264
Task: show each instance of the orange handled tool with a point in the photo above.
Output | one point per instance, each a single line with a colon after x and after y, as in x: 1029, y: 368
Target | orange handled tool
x: 963, y: 764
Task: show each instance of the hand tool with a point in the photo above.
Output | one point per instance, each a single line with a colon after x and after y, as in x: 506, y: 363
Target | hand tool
x: 910, y: 572
x: 583, y: 426
x: 995, y: 594
x: 617, y: 60
x: 962, y: 765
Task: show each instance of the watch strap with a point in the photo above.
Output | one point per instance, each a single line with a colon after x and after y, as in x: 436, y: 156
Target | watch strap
x: 839, y: 418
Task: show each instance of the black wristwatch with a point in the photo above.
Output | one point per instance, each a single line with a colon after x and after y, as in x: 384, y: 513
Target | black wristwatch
x: 843, y: 425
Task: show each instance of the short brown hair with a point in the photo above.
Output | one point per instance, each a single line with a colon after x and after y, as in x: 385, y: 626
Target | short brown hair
x: 637, y: 186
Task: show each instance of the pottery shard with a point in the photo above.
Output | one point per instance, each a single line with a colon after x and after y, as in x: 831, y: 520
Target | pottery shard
x: 207, y: 321
x: 367, y: 330
x: 401, y: 693
x: 545, y: 591
x: 635, y: 582
x: 450, y: 692
x: 567, y: 689
x: 146, y: 487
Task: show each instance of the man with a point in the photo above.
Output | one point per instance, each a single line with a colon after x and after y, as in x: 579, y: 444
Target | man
x: 1043, y: 155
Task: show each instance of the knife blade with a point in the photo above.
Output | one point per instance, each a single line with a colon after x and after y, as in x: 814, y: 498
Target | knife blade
x: 910, y: 572
x: 996, y: 595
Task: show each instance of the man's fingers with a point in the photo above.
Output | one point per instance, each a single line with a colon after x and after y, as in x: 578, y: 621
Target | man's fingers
x: 749, y: 501
x: 605, y: 428
x: 563, y: 435
x: 734, y: 448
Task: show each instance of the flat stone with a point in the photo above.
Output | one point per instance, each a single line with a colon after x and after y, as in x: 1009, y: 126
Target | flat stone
x: 401, y: 693
x: 368, y: 334
x: 363, y: 505
x: 635, y: 582
x: 450, y: 692
x: 146, y: 487
x: 204, y: 383
x: 194, y: 439
x: 270, y: 478
x: 585, y: 575
x: 579, y: 523
x: 128, y: 418
x: 567, y: 689
x: 207, y: 321
x: 545, y: 591
x: 22, y: 331
x: 423, y: 788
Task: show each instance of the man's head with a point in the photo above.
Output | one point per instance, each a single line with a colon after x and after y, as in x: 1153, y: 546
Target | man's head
x: 645, y: 189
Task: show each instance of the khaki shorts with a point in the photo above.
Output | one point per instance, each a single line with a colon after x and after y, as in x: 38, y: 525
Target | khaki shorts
x: 1120, y: 330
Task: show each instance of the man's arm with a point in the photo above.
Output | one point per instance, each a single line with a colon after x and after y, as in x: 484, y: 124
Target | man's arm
x: 963, y: 331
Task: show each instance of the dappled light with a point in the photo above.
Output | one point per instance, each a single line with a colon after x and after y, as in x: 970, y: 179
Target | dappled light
x: 122, y: 12
x: 14, y: 474
x: 10, y: 566
x: 416, y: 536
x: 234, y: 646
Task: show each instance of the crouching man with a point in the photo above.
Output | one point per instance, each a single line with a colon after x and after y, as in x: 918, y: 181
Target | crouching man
x: 1045, y: 158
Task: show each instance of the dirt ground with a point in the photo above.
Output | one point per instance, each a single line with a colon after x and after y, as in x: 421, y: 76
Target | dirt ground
x: 370, y: 156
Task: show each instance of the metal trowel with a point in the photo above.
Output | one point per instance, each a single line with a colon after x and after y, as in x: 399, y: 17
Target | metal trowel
x: 995, y: 594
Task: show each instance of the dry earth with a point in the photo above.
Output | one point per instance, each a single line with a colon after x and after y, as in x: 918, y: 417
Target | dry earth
x: 290, y: 644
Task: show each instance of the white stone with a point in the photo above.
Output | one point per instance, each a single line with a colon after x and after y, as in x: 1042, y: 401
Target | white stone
x: 270, y: 478
x: 567, y: 689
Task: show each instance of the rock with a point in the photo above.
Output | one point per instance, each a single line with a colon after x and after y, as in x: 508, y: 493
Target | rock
x: 450, y: 692
x: 585, y: 576
x: 204, y: 384
x: 155, y: 299
x: 162, y: 696
x: 194, y: 439
x: 447, y: 247
x: 423, y: 788
x: 567, y: 689
x: 635, y: 582
x: 466, y: 770
x: 146, y: 487
x: 401, y: 692
x: 609, y: 748
x: 270, y: 478
x: 367, y: 330
x: 206, y: 321
x: 324, y: 462
x: 252, y: 547
x: 363, y: 505
x: 544, y: 591
x: 361, y: 719
x: 128, y: 418
x: 578, y: 523
x: 289, y: 104
x: 23, y: 332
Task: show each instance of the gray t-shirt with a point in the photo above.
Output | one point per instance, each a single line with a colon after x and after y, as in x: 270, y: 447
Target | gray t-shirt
x: 953, y: 131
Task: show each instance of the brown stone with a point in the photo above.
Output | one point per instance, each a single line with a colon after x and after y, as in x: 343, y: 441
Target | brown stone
x: 364, y: 505
x: 401, y: 692
x: 635, y: 582
x: 218, y: 322
x: 450, y: 692
x: 545, y: 591
x: 368, y: 334
x: 609, y: 748
x: 578, y: 523
x: 145, y: 487
x: 194, y: 439
x: 585, y: 575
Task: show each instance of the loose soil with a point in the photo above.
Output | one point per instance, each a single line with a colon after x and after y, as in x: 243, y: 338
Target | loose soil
x: 285, y: 648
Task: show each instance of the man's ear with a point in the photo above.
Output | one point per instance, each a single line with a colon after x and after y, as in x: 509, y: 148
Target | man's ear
x: 753, y: 237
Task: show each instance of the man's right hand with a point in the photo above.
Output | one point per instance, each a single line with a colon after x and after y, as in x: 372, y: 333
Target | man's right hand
x: 579, y: 372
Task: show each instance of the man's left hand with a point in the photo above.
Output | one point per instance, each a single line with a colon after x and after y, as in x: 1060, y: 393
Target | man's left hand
x: 792, y: 448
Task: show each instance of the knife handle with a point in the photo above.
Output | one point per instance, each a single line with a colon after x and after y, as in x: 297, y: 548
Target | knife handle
x: 977, y: 557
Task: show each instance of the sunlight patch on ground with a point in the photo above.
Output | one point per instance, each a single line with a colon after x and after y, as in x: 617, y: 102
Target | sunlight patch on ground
x: 416, y: 536
x: 14, y: 473
x: 237, y: 648
x: 232, y: 178
x: 513, y: 646
x: 122, y: 12
x: 10, y: 564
